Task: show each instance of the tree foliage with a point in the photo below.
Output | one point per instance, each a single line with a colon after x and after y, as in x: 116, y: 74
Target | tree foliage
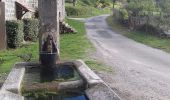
x: 149, y: 12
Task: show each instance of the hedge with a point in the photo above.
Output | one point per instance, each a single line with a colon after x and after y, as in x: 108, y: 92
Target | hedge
x: 30, y: 29
x: 14, y: 31
x: 76, y: 11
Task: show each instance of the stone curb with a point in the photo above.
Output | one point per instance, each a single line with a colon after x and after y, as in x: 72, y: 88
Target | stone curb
x: 87, y: 74
x: 14, y: 79
x: 97, y: 88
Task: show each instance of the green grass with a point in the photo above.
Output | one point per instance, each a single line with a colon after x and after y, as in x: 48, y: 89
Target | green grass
x: 97, y: 12
x: 145, y: 38
x: 98, y: 66
x: 75, y: 46
x: 10, y: 57
x: 72, y: 46
x: 92, y: 11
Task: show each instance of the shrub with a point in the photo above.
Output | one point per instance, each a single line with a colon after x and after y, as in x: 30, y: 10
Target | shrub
x: 14, y: 30
x: 30, y: 29
x: 76, y: 11
x: 149, y: 29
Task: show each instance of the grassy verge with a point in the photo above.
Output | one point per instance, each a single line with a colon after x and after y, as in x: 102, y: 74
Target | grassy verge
x: 72, y: 46
x: 75, y: 46
x: 9, y: 57
x: 90, y: 11
x: 148, y: 39
x: 94, y: 12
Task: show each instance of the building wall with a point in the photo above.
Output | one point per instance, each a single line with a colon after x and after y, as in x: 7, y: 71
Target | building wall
x: 61, y: 8
x: 10, y: 12
x: 32, y: 3
x: 10, y: 8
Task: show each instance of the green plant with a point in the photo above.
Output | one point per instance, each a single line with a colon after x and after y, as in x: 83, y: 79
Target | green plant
x: 76, y: 11
x: 14, y: 30
x: 30, y: 29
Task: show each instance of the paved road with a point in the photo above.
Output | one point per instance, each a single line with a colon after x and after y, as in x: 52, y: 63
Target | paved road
x: 142, y: 72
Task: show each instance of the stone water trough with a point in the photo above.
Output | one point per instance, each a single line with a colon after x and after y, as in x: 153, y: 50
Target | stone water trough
x: 86, y: 86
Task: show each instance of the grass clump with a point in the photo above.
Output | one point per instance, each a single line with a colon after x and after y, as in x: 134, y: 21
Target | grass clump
x: 98, y: 66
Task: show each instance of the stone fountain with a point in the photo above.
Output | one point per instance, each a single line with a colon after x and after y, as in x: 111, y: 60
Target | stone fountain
x: 52, y: 79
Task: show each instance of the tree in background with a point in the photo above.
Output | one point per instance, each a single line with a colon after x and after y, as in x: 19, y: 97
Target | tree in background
x: 141, y: 9
x: 74, y: 2
x: 164, y: 15
x: 152, y: 16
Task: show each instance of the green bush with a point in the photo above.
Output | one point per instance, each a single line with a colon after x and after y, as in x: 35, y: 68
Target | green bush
x: 14, y: 30
x: 76, y: 11
x: 30, y: 29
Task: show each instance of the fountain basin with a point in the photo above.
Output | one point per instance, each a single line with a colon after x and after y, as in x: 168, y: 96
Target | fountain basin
x: 88, y: 84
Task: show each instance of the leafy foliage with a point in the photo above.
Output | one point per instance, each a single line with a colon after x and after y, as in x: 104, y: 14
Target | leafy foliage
x: 14, y: 30
x: 146, y: 13
x: 30, y: 29
x: 76, y: 11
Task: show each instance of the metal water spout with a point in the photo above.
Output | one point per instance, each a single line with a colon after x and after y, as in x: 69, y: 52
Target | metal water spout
x: 49, y: 46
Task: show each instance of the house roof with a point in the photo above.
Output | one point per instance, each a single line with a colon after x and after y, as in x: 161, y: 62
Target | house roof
x: 24, y: 5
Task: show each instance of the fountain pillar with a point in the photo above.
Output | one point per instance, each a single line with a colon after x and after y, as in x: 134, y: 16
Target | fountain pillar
x: 48, y: 32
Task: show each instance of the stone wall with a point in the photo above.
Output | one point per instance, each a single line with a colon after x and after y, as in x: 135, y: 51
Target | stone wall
x: 32, y: 3
x: 10, y: 12
x: 61, y: 10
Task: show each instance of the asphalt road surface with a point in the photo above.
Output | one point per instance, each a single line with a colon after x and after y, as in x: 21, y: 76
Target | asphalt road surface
x: 142, y: 72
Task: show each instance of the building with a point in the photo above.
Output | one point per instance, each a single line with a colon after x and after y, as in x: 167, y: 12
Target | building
x: 16, y: 9
x: 33, y: 3
x: 12, y: 10
x: 61, y: 10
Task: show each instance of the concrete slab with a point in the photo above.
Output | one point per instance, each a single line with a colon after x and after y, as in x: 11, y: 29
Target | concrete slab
x: 89, y: 76
x: 6, y: 95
